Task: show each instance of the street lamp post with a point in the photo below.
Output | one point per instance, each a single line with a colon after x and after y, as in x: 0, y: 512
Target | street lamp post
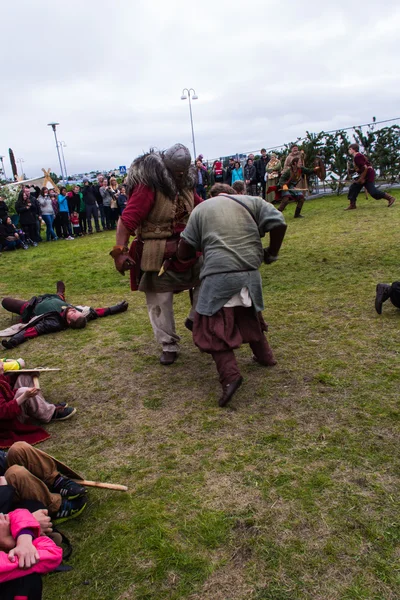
x: 2, y: 165
x: 62, y: 146
x: 190, y: 93
x: 53, y: 126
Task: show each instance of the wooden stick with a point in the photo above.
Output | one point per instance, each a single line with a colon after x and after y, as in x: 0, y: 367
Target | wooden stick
x: 36, y: 382
x: 98, y: 484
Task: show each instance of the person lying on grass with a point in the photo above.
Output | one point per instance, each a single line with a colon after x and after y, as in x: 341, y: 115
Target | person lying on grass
x: 28, y: 474
x: 50, y: 313
x: 21, y: 403
x: 26, y: 555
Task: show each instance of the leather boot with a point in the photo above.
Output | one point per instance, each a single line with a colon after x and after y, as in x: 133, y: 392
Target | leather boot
x: 60, y: 288
x: 229, y: 390
x: 168, y: 358
x: 391, y: 199
x: 351, y: 206
x: 297, y: 212
x: 382, y: 294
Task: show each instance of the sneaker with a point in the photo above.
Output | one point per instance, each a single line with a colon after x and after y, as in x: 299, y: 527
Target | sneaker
x: 70, y: 509
x: 34, y: 244
x: 70, y: 238
x: 67, y: 488
x: 62, y: 414
x: 61, y: 405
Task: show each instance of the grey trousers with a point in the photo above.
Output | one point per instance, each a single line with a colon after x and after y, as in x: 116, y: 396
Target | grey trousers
x: 35, y: 407
x: 162, y: 319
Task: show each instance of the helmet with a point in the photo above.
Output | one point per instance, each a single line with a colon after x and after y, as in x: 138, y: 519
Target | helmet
x: 177, y: 158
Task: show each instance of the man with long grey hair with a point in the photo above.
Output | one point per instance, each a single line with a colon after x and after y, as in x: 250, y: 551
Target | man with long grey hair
x: 161, y: 192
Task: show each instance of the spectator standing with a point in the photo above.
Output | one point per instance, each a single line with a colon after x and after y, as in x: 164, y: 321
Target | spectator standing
x: 99, y: 200
x: 122, y: 200
x: 37, y: 211
x: 217, y: 172
x: 75, y: 224
x: 3, y: 209
x: 56, y: 222
x: 228, y: 171
x: 261, y: 165
x: 89, y: 198
x: 27, y: 216
x: 237, y: 173
x: 46, y: 207
x: 114, y: 191
x: 63, y: 211
x: 202, y: 179
x: 273, y: 172
x: 106, y: 195
x: 250, y: 177
x: 82, y: 211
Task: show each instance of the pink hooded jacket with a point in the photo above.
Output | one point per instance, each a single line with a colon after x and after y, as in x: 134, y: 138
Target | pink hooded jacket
x: 50, y: 554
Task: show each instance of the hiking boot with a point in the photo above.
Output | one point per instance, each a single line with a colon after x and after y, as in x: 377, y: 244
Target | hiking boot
x: 62, y: 414
x: 229, y: 390
x: 70, y: 509
x: 67, y: 488
x: 168, y: 358
x: 382, y: 294
x: 351, y: 207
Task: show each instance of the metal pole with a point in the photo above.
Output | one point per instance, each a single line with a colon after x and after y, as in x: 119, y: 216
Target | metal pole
x: 59, y: 157
x: 63, y: 157
x: 191, y: 122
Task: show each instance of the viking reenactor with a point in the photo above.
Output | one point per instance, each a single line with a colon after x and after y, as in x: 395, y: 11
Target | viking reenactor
x: 50, y: 313
x: 366, y: 179
x: 227, y: 229
x: 288, y: 186
x: 273, y: 171
x: 160, y: 188
x: 299, y: 154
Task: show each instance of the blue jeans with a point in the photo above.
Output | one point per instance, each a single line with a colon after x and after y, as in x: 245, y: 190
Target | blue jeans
x: 49, y: 220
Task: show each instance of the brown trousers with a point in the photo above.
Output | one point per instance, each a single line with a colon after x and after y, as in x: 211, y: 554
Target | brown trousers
x: 31, y: 473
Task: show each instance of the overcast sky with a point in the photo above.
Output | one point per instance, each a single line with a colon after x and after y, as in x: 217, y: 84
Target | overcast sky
x: 112, y: 72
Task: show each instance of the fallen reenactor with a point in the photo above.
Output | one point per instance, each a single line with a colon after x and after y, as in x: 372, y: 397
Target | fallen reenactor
x: 50, y: 313
x: 22, y: 402
x: 30, y: 474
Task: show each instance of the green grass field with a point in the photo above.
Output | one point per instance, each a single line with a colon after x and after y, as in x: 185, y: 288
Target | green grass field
x: 292, y: 492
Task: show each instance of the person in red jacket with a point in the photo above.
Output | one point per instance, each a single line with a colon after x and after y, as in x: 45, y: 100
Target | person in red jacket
x: 161, y: 192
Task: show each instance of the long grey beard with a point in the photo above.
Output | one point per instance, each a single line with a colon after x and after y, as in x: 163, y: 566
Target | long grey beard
x: 150, y: 170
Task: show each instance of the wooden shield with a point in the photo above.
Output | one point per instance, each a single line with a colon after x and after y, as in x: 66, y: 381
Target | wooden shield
x: 321, y: 174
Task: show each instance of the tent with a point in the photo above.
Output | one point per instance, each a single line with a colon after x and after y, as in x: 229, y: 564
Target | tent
x: 44, y: 181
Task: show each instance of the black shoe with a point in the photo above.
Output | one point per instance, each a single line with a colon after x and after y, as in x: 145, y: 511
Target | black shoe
x: 299, y: 216
x: 62, y: 414
x: 189, y: 324
x: 67, y: 488
x: 382, y: 294
x: 168, y: 358
x: 229, y: 390
x: 70, y: 509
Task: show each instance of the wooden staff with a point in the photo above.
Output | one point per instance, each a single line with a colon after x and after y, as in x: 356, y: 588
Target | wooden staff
x: 98, y: 484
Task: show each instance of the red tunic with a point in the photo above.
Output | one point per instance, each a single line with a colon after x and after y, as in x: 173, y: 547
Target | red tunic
x: 138, y: 207
x: 11, y: 429
x: 360, y: 162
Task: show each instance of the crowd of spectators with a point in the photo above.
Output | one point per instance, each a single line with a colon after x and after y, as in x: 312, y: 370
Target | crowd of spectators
x: 65, y: 215
x: 253, y: 172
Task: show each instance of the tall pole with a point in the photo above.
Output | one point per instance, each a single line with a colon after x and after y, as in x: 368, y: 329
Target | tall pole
x: 62, y: 145
x: 2, y: 164
x: 190, y: 93
x: 53, y: 126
